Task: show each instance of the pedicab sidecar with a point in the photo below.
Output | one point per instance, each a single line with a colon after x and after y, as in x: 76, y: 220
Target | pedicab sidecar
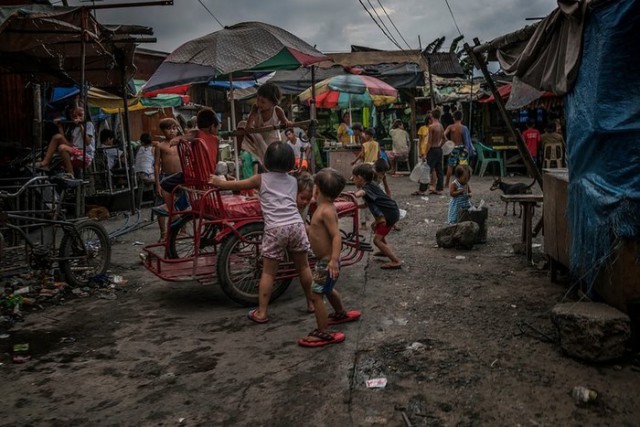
x: 217, y: 238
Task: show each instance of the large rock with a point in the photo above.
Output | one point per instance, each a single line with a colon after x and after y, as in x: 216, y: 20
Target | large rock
x: 591, y: 331
x: 461, y: 235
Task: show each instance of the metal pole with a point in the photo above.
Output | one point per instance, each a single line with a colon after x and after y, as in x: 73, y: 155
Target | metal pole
x: 233, y: 125
x: 83, y: 89
x: 312, y: 137
x: 522, y: 147
x: 125, y: 125
x: 432, y: 95
x: 37, y: 121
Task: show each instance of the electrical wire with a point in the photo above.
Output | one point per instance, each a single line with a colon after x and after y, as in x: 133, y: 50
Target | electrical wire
x: 210, y: 13
x: 383, y: 24
x: 453, y: 17
x: 394, y: 25
x: 381, y: 29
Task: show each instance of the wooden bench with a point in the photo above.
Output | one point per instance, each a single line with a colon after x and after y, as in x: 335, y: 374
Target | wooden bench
x: 528, y: 203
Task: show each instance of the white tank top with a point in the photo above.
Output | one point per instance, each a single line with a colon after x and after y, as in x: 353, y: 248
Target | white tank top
x: 272, y: 135
x: 278, y: 199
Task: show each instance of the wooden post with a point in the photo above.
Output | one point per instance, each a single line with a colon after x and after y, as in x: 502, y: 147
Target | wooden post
x: 125, y: 125
x: 522, y: 147
x: 412, y: 131
x: 433, y: 96
x: 312, y: 136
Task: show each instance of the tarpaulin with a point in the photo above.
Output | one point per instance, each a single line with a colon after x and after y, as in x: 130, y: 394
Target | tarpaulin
x: 603, y: 138
x: 549, y: 58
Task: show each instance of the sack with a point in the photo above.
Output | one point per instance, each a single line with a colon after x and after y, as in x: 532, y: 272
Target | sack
x: 417, y: 171
x: 425, y: 174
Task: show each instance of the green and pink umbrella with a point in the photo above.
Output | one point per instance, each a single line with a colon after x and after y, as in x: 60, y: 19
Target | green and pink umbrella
x: 351, y: 91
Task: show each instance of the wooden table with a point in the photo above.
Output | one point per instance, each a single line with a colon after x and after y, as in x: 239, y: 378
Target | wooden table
x: 528, y: 203
x: 511, y: 156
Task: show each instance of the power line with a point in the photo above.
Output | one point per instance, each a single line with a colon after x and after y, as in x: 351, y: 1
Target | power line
x: 381, y: 29
x: 383, y: 24
x: 453, y: 17
x: 394, y: 25
x: 211, y: 13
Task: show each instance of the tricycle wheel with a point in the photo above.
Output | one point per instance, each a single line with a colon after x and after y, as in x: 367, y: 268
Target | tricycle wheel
x: 86, y: 254
x: 182, y: 240
x: 240, y: 266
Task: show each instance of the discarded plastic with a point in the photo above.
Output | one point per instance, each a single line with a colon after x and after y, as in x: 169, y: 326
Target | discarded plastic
x: 22, y: 291
x: 583, y: 395
x: 116, y: 279
x: 403, y: 213
x: 67, y: 340
x: 137, y: 243
x: 426, y: 199
x: 4, y: 336
x: 376, y: 383
x: 461, y: 257
x: 20, y: 347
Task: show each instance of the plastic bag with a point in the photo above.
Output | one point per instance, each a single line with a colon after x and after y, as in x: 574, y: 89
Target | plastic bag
x: 416, y: 172
x: 425, y: 174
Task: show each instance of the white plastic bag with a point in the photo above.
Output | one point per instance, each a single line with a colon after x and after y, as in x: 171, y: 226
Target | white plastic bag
x: 425, y: 174
x: 417, y: 170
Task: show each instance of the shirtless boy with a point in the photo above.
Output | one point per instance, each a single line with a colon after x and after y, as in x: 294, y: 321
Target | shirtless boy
x: 167, y: 168
x: 434, y: 155
x: 326, y: 243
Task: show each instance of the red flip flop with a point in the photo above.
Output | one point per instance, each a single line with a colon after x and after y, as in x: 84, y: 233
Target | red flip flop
x: 344, y: 317
x: 323, y: 338
x: 252, y: 316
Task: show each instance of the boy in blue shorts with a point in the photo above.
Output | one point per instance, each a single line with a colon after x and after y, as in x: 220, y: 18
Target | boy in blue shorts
x: 326, y: 243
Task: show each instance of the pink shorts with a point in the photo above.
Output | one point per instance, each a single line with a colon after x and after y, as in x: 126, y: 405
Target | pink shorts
x: 76, y: 158
x: 291, y: 238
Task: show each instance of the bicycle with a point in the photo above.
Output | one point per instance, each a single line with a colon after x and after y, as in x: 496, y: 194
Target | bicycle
x: 81, y: 253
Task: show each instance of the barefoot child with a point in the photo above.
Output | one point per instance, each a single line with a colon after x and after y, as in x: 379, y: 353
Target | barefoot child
x: 283, y: 226
x: 326, y: 243
x: 384, y: 210
x: 167, y: 168
x: 460, y: 192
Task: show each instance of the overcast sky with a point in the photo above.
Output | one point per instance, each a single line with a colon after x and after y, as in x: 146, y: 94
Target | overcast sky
x: 332, y: 25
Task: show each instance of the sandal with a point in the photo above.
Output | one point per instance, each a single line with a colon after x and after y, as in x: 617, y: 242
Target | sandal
x: 323, y: 338
x: 252, y: 316
x: 418, y: 193
x: 344, y: 317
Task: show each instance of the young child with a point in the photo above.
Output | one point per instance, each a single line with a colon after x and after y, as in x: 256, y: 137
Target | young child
x: 112, y: 154
x: 381, y: 167
x: 384, y: 210
x: 72, y: 151
x: 305, y: 194
x: 167, y: 168
x: 370, y: 148
x: 265, y: 112
x: 144, y: 158
x: 460, y: 192
x: 284, y: 229
x: 326, y: 243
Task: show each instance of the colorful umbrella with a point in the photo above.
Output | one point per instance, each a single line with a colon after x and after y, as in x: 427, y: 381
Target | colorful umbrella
x: 239, y: 50
x: 350, y: 90
x: 242, y: 50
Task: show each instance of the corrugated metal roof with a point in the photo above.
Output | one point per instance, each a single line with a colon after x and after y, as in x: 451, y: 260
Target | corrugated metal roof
x: 445, y: 64
x: 352, y: 59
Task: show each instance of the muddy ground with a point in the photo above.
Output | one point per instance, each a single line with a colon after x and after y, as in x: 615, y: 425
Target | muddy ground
x: 446, y: 333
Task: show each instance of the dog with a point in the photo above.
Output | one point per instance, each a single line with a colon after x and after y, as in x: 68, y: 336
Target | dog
x: 97, y: 213
x: 516, y: 188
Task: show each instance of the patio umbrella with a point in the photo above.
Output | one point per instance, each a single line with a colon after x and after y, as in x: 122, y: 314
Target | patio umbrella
x: 241, y: 50
x: 350, y: 90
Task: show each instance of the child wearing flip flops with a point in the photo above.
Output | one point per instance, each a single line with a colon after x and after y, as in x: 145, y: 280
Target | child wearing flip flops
x: 284, y: 229
x: 326, y: 243
x: 384, y: 209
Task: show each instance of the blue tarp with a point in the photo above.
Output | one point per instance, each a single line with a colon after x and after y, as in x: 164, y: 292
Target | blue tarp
x: 603, y: 138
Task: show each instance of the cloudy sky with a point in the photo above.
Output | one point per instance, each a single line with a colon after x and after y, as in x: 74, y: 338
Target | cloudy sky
x: 333, y: 25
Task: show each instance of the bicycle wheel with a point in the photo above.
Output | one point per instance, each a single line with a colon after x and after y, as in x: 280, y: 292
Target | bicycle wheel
x: 181, y: 238
x: 86, y: 254
x: 240, y: 268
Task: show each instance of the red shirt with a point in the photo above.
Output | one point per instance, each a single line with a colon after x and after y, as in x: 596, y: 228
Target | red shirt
x: 532, y: 139
x: 212, y: 142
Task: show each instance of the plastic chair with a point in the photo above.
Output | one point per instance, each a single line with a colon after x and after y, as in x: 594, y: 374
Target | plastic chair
x: 487, y: 155
x: 553, y: 153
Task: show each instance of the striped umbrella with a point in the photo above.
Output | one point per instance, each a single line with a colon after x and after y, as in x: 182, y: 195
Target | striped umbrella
x: 350, y: 90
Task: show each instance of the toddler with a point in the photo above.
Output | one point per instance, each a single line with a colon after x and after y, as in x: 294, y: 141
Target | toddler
x: 460, y: 192
x: 284, y: 228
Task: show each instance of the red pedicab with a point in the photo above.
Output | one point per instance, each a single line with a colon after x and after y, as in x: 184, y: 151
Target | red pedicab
x: 217, y: 237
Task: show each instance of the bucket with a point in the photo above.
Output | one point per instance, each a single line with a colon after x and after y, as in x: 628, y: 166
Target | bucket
x: 480, y: 218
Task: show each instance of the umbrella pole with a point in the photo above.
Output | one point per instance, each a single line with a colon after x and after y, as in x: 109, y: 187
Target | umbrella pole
x: 233, y: 126
x: 312, y: 157
x: 350, y: 122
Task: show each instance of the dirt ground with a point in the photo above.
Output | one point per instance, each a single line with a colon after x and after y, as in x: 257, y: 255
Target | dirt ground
x: 454, y: 338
